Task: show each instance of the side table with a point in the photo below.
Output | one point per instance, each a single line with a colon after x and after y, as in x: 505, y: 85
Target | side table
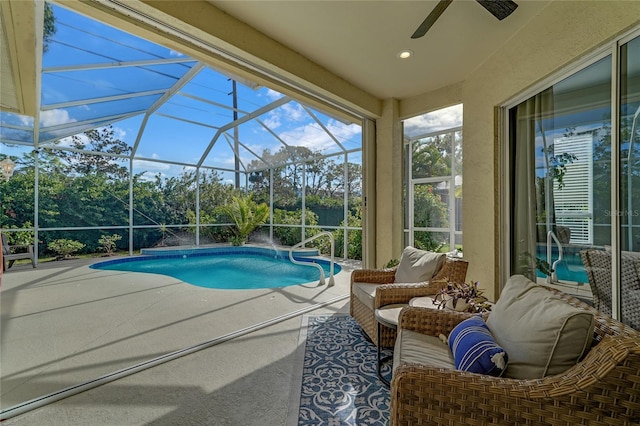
x: 423, y: 302
x: 427, y: 302
x: 386, y: 316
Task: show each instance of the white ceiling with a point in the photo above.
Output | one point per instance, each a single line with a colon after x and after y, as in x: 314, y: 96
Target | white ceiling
x: 359, y: 40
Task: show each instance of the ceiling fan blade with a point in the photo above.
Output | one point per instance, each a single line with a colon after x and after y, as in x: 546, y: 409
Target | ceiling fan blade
x: 499, y: 8
x: 431, y: 18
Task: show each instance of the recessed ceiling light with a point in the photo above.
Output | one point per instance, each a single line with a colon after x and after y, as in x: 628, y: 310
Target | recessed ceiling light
x: 405, y: 54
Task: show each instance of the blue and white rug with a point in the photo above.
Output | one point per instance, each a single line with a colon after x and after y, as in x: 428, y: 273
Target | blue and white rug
x: 338, y: 384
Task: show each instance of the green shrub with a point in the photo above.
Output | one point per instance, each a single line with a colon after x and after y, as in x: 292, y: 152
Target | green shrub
x: 289, y: 236
x: 246, y: 215
x: 19, y: 238
x: 64, y: 248
x: 108, y: 243
x: 354, y: 237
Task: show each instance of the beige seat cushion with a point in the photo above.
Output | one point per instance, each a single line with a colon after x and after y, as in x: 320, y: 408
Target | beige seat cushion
x: 413, y: 347
x: 542, y: 334
x: 418, y: 265
x: 366, y: 293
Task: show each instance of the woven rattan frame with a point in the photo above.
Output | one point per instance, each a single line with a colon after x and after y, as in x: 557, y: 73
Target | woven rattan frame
x: 453, y: 270
x: 597, y: 263
x: 602, y: 389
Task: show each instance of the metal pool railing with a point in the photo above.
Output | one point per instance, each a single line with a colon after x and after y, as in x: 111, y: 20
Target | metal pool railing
x: 297, y: 262
x: 551, y: 236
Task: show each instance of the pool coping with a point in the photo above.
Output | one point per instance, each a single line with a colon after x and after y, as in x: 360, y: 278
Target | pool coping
x: 311, y: 255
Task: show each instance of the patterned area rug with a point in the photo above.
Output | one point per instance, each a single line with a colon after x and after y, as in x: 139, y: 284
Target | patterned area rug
x: 338, y: 384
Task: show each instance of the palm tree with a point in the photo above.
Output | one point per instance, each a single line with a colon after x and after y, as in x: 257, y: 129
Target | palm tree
x: 246, y: 214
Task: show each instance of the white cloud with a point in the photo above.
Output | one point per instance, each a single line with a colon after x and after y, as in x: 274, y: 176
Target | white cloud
x: 153, y: 168
x: 175, y: 53
x: 25, y: 120
x: 294, y: 111
x: 314, y: 137
x: 54, y: 117
x: 310, y: 136
x: 287, y: 113
x: 119, y: 133
x: 442, y: 119
x: 152, y: 165
x: 272, y: 121
x: 343, y: 132
x: 273, y: 95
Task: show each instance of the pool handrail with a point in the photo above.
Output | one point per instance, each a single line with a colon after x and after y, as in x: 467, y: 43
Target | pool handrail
x: 297, y: 262
x: 553, y: 277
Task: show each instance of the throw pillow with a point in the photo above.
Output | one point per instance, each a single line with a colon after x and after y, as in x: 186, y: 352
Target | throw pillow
x: 542, y: 334
x: 418, y: 265
x: 475, y: 350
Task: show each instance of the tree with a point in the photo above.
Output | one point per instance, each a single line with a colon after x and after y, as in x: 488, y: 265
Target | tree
x: 429, y: 209
x: 433, y: 157
x: 247, y: 215
x: 324, y: 177
x: 101, y: 140
x: 49, y: 28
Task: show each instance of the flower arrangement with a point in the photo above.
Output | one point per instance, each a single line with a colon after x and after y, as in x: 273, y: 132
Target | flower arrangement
x: 462, y: 297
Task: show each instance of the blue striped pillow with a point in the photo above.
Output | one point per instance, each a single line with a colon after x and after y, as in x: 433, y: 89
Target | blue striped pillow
x: 475, y: 350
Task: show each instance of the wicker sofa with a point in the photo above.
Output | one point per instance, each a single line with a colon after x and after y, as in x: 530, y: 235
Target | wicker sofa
x: 603, y: 388
x: 381, y: 284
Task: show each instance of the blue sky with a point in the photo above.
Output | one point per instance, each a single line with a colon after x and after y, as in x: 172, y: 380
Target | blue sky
x: 75, y: 74
x: 81, y: 91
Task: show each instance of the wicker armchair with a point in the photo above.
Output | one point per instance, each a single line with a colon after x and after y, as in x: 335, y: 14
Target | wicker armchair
x: 602, y: 389
x: 598, y: 266
x: 453, y: 270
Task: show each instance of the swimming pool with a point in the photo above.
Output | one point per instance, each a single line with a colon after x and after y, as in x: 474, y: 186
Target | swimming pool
x: 231, y: 268
x: 569, y: 269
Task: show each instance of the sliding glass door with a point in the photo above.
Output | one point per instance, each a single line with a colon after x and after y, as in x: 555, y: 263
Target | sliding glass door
x: 561, y: 173
x: 629, y: 190
x: 569, y: 145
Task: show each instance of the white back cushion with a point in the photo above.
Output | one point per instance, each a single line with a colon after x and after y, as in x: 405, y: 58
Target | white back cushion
x: 542, y: 334
x: 418, y: 265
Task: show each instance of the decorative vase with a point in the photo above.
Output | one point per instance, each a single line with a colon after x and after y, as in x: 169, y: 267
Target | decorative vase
x: 461, y: 304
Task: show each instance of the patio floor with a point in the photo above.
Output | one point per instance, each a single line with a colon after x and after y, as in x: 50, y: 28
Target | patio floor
x: 63, y: 324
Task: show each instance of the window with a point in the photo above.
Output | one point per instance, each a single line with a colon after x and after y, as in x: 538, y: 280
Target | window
x: 433, y: 188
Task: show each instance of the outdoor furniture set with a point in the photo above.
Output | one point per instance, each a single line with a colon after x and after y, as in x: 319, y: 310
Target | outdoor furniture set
x: 420, y: 273
x: 538, y: 357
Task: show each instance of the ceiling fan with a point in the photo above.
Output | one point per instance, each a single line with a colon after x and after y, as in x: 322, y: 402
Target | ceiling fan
x: 498, y: 8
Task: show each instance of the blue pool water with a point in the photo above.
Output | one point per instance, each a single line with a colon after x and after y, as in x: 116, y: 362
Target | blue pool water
x: 568, y: 272
x: 569, y: 269
x: 237, y: 268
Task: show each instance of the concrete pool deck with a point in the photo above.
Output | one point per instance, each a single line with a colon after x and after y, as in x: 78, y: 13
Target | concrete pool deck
x: 64, y: 323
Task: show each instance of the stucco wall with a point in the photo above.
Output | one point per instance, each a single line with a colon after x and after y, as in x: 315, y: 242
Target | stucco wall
x: 563, y: 33
x: 389, y: 208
